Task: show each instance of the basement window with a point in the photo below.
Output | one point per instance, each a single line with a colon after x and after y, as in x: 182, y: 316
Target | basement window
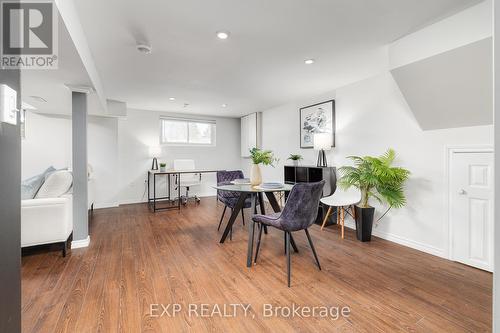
x: 187, y: 132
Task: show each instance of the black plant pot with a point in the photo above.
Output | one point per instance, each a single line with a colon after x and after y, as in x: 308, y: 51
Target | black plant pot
x: 364, y: 223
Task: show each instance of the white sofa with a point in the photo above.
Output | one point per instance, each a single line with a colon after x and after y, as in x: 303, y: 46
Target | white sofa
x: 49, y: 220
x: 46, y: 221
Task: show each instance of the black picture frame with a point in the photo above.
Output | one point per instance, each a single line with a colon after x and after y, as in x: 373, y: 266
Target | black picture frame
x: 308, y: 127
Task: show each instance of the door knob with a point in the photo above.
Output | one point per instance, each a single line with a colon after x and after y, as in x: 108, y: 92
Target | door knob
x: 462, y: 192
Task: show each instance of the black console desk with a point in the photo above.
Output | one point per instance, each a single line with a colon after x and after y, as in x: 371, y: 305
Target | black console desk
x: 311, y: 174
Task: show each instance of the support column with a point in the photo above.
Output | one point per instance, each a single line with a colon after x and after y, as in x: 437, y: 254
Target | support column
x: 10, y: 214
x: 80, y: 192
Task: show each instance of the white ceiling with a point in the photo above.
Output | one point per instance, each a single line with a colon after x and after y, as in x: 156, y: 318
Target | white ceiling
x: 262, y: 63
x: 51, y: 84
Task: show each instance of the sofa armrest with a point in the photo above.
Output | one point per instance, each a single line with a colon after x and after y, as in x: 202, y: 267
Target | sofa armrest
x: 46, y: 220
x: 44, y: 202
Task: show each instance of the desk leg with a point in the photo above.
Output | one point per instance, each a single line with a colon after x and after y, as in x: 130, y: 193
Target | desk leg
x: 276, y: 207
x: 154, y: 193
x: 234, y: 215
x: 251, y: 231
x: 179, y: 192
x: 168, y: 187
x: 149, y: 196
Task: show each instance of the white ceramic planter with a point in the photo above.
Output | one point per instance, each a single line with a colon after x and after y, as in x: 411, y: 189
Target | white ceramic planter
x: 255, y: 175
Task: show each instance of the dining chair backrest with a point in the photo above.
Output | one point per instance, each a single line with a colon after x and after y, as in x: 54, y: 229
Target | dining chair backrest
x: 225, y: 178
x: 301, y: 208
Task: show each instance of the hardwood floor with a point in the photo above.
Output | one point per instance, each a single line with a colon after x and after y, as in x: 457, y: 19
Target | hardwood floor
x: 137, y: 258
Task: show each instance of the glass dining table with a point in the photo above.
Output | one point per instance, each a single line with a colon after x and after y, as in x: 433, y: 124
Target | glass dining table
x: 254, y: 193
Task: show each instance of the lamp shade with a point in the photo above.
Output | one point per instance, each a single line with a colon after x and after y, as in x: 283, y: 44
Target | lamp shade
x: 154, y: 151
x: 322, y: 141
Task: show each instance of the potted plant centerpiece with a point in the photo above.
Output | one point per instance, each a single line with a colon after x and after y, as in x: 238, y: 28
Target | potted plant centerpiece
x: 295, y: 158
x: 163, y: 167
x: 259, y: 156
x: 374, y: 177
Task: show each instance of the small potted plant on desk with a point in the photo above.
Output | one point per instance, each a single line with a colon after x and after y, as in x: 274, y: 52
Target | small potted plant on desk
x: 295, y: 158
x: 163, y: 167
x: 374, y: 177
x: 259, y: 156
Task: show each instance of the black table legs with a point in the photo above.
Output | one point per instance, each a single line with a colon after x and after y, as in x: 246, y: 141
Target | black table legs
x: 251, y: 231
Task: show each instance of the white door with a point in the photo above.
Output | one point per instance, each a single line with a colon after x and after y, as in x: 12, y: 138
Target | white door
x: 471, y: 208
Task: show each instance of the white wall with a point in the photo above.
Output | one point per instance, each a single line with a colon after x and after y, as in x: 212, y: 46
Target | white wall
x: 141, y: 129
x: 372, y: 116
x: 103, y: 156
x: 48, y: 142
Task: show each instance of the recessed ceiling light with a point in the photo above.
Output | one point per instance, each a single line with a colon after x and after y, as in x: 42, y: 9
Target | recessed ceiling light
x: 172, y: 98
x: 309, y: 61
x: 224, y: 105
x: 222, y: 34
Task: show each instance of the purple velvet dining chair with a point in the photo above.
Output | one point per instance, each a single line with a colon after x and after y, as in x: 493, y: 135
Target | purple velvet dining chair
x: 299, y: 213
x: 228, y: 198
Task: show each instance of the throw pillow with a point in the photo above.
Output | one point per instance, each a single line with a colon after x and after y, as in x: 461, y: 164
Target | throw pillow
x: 56, y: 184
x: 30, y: 186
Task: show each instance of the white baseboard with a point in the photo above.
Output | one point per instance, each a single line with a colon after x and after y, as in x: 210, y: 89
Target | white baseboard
x: 99, y: 205
x: 76, y: 244
x: 403, y: 241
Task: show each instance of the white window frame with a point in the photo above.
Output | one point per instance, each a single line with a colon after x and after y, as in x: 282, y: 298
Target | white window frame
x: 187, y: 121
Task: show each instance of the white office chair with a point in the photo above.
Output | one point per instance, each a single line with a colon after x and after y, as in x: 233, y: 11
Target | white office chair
x: 343, y: 200
x: 187, y: 180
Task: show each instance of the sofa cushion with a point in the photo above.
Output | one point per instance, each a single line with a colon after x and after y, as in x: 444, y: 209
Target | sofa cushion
x: 30, y: 186
x: 56, y: 184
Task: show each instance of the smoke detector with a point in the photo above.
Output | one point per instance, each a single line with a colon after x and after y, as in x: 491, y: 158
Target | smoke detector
x: 144, y: 48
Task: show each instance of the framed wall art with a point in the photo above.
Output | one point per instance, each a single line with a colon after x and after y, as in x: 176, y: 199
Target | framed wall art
x: 317, y: 118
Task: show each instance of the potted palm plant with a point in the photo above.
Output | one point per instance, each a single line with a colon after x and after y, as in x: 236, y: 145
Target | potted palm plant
x: 376, y: 178
x: 295, y: 158
x: 258, y: 156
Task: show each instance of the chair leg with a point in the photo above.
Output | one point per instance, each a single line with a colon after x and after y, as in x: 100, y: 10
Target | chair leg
x: 243, y: 217
x: 284, y: 242
x: 258, y: 243
x: 222, y: 217
x: 312, y: 248
x: 288, y: 257
x: 231, y: 231
x: 326, y: 217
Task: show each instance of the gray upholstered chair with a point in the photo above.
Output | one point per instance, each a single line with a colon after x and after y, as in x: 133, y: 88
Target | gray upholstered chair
x: 228, y: 198
x: 299, y: 213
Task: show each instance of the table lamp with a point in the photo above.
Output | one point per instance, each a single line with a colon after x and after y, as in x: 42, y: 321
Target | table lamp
x: 322, y: 142
x: 154, y: 152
